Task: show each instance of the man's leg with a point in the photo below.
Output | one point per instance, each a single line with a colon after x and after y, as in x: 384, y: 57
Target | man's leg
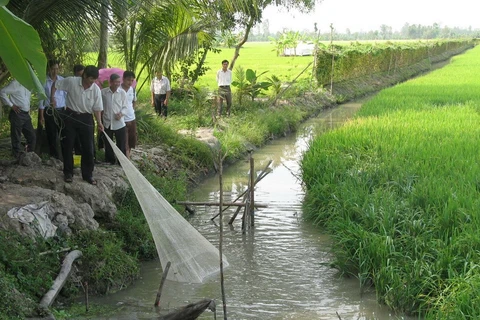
x: 68, y: 140
x: 127, y: 138
x: 100, y: 140
x: 158, y: 104
x: 77, y: 146
x: 15, y: 133
x: 163, y: 107
x: 228, y: 97
x: 109, y: 155
x: 130, y: 136
x: 120, y: 137
x: 220, y: 101
x: 52, y: 131
x: 29, y: 132
x: 84, y: 129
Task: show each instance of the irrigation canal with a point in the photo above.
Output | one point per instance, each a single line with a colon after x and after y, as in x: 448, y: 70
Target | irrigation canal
x: 279, y: 269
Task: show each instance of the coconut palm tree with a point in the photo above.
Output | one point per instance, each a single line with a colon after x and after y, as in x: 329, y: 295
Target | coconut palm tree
x: 64, y: 26
x: 160, y: 36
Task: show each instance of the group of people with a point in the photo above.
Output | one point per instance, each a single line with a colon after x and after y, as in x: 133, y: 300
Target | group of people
x: 160, y: 91
x: 67, y: 113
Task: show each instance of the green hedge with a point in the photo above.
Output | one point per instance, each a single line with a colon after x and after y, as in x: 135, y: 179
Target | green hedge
x: 357, y: 60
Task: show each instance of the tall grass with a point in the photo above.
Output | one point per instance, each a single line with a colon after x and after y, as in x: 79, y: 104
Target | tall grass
x: 398, y: 189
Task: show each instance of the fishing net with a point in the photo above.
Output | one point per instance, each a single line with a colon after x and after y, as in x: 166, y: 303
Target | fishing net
x: 193, y: 258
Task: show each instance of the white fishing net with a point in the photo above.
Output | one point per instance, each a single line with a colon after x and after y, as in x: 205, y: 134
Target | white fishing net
x: 193, y: 258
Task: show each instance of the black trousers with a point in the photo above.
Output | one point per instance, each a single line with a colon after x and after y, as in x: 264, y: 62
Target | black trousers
x: 120, y: 139
x: 21, y: 123
x: 53, y: 125
x: 78, y: 125
x: 77, y: 146
x: 160, y: 106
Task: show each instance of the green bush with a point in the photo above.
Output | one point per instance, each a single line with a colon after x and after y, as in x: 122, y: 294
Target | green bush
x: 13, y: 304
x: 20, y: 258
x: 104, y: 264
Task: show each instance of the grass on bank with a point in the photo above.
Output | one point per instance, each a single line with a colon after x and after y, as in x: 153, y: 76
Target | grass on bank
x: 398, y: 189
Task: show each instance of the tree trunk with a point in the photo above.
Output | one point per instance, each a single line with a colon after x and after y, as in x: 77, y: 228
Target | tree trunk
x: 102, y: 51
x: 249, y: 26
x: 199, y: 66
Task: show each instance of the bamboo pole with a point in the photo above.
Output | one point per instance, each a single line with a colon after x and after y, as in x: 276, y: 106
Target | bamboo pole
x: 333, y: 58
x: 244, y: 217
x: 86, y: 297
x: 259, y: 178
x: 234, y: 215
x: 220, y: 247
x: 162, y: 282
x: 216, y: 204
x: 252, y: 191
x: 262, y: 175
x: 244, y: 194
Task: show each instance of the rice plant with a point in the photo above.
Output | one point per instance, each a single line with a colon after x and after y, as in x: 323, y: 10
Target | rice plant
x: 398, y: 188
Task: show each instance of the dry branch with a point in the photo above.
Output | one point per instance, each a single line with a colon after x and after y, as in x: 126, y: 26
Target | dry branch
x: 59, y: 282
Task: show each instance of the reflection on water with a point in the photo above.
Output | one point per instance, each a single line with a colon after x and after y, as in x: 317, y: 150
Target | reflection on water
x: 280, y: 268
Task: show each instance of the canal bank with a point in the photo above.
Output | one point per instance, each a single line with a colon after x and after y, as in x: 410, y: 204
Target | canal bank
x: 155, y: 177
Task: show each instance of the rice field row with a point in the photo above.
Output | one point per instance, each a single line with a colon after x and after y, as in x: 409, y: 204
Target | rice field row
x: 398, y: 188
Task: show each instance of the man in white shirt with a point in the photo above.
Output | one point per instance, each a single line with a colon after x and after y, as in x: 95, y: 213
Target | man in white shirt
x: 83, y: 99
x: 160, y: 89
x: 224, y: 80
x: 114, y: 110
x: 49, y: 116
x: 17, y: 97
x: 130, y: 123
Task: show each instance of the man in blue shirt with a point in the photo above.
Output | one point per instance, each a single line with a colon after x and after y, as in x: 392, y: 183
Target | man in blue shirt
x: 49, y: 116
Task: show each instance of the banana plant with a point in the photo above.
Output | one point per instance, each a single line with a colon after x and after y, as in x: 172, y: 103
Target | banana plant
x: 21, y: 50
x: 255, y: 86
x: 252, y: 86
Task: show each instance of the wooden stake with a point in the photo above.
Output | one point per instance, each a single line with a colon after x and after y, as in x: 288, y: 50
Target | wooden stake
x: 244, y: 194
x: 162, y: 282
x: 220, y: 246
x: 86, y: 296
x: 333, y: 57
x: 252, y: 191
x: 234, y: 215
x: 244, y: 218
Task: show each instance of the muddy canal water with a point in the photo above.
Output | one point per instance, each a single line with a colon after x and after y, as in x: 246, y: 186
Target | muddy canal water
x: 280, y: 268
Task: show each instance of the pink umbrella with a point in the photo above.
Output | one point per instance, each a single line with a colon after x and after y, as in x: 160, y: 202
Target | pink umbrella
x: 104, y: 76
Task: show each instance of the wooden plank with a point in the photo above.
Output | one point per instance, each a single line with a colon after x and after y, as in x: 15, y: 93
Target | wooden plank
x: 216, y: 204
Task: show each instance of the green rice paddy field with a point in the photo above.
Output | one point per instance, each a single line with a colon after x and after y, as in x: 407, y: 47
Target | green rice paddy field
x: 398, y: 188
x: 258, y: 56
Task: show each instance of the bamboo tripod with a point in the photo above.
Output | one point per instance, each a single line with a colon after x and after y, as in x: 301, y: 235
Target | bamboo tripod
x: 248, y: 198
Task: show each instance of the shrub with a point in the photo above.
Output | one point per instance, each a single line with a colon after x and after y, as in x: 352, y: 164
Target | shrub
x: 104, y: 264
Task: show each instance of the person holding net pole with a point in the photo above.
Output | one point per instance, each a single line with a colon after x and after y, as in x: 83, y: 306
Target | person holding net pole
x: 83, y: 99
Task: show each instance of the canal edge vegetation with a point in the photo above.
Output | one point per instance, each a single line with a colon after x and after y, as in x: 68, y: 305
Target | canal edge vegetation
x: 397, y: 188
x: 118, y: 247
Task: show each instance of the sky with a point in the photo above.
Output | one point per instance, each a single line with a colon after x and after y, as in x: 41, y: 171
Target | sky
x: 367, y: 15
